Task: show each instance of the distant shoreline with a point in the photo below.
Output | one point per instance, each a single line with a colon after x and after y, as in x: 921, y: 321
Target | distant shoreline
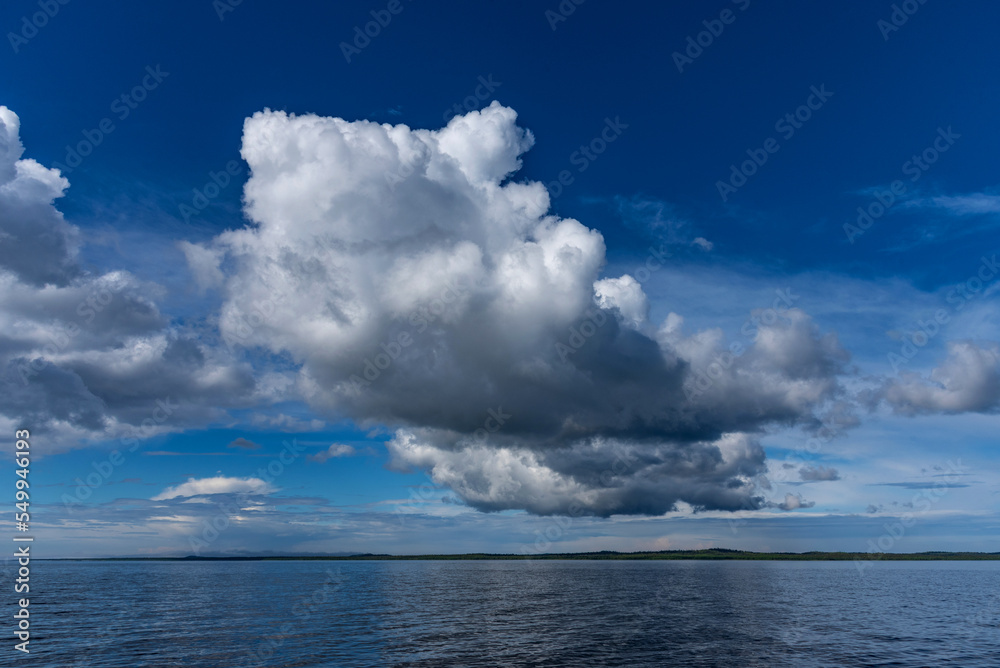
x: 667, y: 555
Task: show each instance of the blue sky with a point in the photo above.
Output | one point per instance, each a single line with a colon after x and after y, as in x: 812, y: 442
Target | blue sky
x: 895, y: 118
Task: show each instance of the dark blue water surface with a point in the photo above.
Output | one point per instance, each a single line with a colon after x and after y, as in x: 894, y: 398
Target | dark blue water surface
x: 510, y: 613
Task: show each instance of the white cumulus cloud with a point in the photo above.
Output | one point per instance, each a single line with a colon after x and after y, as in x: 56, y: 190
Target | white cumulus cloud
x: 420, y: 285
x: 334, y: 451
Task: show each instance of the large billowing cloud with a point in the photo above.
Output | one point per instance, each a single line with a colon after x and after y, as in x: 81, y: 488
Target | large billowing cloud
x: 86, y: 356
x: 420, y: 286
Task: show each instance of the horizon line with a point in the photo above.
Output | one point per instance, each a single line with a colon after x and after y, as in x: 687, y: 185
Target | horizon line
x: 716, y: 554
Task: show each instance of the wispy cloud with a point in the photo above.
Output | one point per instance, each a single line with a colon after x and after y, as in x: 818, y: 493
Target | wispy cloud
x: 286, y: 423
x: 971, y: 204
x: 656, y: 219
x: 818, y: 473
x: 176, y: 453
x: 924, y: 485
x: 216, y: 485
x: 335, y: 450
